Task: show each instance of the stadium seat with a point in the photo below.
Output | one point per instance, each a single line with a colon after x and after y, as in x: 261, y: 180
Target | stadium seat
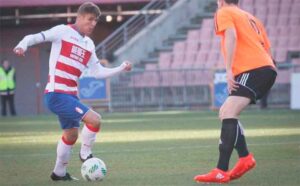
x: 294, y: 43
x: 206, y: 34
x: 178, y: 78
x: 247, y: 2
x: 281, y: 54
x: 178, y: 59
x: 137, y: 80
x: 283, y: 2
x: 262, y: 17
x: 295, y: 9
x: 282, y: 41
x: 150, y: 67
x: 273, y: 9
x: 261, y: 10
x: 274, y: 2
x: 165, y: 59
x: 201, y: 57
x: 294, y: 30
x: 216, y: 44
x: 151, y: 79
x: 294, y: 20
x: 273, y: 41
x: 179, y: 47
x: 208, y: 23
x: 283, y: 76
x: 285, y: 9
x: 192, y: 46
x: 205, y: 46
x: 213, y: 57
x: 283, y: 20
x: 272, y: 31
x: 193, y: 35
x: 296, y: 61
x: 165, y: 78
x: 271, y: 20
x: 190, y: 57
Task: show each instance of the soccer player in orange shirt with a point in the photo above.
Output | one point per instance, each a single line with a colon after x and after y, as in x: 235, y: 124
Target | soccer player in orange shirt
x: 250, y: 75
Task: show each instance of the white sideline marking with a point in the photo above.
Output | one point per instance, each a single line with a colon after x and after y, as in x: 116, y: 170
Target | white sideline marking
x: 151, y: 149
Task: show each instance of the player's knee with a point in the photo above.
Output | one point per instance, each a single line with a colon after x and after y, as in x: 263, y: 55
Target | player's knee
x: 96, y: 121
x: 228, y: 113
x: 71, y: 137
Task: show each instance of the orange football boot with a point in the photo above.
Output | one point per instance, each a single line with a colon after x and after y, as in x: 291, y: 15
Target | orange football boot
x: 244, y: 165
x: 214, y: 176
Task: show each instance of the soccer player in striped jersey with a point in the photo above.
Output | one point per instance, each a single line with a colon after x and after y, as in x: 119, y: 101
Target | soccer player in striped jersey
x: 72, y: 51
x: 250, y: 75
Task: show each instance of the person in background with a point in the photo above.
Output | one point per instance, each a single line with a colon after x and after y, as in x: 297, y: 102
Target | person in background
x: 7, y: 87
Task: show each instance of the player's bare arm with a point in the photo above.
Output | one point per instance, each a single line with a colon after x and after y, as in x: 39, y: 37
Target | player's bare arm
x: 230, y: 45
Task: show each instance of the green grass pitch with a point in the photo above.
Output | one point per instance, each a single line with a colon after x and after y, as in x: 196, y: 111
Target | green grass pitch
x: 154, y: 148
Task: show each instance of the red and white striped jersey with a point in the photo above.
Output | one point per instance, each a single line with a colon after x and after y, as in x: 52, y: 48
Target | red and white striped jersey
x: 70, y: 54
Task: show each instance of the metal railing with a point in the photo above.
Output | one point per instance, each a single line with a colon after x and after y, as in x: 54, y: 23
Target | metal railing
x: 130, y: 28
x: 182, y: 89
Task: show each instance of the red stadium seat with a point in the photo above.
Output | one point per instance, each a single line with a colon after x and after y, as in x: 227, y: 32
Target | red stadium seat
x: 261, y: 10
x: 281, y: 54
x: 178, y: 58
x: 273, y: 9
x: 201, y: 57
x: 206, y: 34
x: 283, y: 20
x: 165, y: 60
x: 179, y: 47
x: 190, y: 57
x: 150, y: 67
x: 285, y: 9
x: 295, y: 9
x: 272, y: 2
x: 294, y: 43
x: 272, y: 31
x: 193, y: 35
x: 205, y: 46
x: 192, y: 46
x: 283, y: 76
x: 208, y: 23
x: 294, y: 20
x: 271, y: 20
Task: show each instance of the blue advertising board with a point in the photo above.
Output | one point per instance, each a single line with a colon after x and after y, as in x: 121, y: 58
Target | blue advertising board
x: 92, y: 88
x: 220, y: 89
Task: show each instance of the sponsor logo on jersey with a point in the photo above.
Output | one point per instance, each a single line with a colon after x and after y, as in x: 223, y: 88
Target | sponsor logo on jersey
x: 79, y: 110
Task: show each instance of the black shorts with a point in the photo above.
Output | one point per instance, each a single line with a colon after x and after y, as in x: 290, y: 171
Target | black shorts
x: 254, y: 84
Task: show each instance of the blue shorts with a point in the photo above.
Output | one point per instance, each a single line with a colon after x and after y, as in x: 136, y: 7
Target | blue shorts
x: 67, y: 107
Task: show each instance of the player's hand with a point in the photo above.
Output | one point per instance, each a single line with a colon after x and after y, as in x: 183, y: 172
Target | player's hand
x: 127, y: 66
x: 232, y: 85
x: 19, y: 51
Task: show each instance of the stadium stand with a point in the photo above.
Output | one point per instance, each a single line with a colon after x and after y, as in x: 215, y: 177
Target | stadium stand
x: 174, y: 66
x: 199, y: 49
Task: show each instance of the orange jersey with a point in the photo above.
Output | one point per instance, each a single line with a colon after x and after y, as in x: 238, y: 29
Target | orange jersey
x: 252, y: 44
